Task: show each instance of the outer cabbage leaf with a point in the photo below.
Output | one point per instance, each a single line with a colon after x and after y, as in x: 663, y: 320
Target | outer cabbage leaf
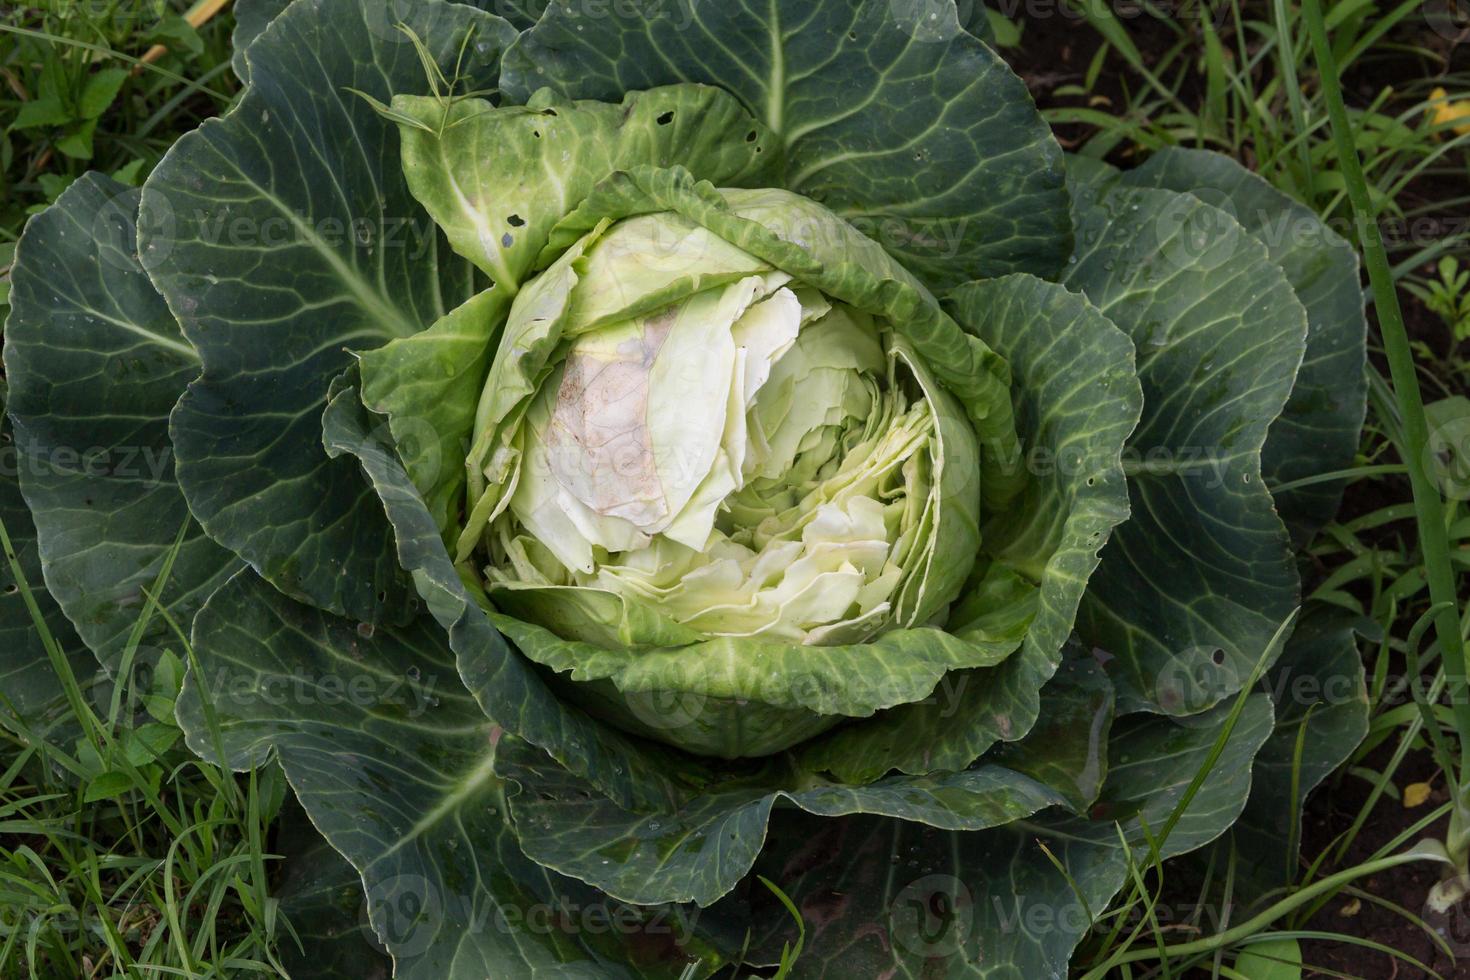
x: 32, y: 693
x: 1322, y: 707
x: 1077, y: 400
x: 281, y: 235
x: 1066, y: 748
x: 96, y: 362
x: 428, y: 385
x: 497, y: 180
x: 252, y: 17
x: 1317, y: 431
x: 321, y: 896
x: 885, y: 897
x: 888, y: 113
x: 1192, y: 588
x: 699, y: 852
x: 509, y: 689
x: 418, y: 811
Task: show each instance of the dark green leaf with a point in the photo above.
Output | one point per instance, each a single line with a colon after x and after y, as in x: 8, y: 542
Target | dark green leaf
x: 276, y: 269
x: 1192, y: 588
x: 1317, y: 432
x: 96, y: 362
x: 888, y: 113
x: 699, y: 852
x: 1322, y: 705
x: 1067, y: 747
x: 321, y: 896
x: 890, y: 898
x: 393, y: 762
x: 30, y: 691
x: 252, y: 17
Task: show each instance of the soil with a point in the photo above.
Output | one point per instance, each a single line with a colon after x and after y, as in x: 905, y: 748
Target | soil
x: 1055, y: 54
x: 1331, y: 812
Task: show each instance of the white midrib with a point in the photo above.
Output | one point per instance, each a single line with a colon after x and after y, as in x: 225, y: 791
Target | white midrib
x: 463, y: 790
x: 776, y: 93
x: 369, y: 300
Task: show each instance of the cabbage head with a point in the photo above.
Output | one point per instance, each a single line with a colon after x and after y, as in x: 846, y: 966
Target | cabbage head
x: 609, y: 454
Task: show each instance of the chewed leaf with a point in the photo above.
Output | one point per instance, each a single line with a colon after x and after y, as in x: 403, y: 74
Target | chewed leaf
x: 888, y: 113
x: 498, y: 179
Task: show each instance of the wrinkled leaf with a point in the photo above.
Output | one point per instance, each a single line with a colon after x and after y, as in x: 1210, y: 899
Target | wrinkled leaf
x: 393, y: 760
x: 96, y: 361
x: 1317, y: 431
x: 1192, y: 588
x: 888, y: 113
x: 275, y: 273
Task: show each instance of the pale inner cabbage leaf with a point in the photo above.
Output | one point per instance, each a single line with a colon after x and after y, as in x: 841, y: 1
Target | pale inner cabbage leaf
x: 747, y: 459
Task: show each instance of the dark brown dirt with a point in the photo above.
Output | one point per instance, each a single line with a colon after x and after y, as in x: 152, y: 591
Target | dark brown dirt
x: 1329, y: 814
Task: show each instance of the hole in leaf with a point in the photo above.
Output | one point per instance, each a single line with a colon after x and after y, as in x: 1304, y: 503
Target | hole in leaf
x: 750, y: 136
x: 548, y: 112
x: 666, y: 118
x: 852, y: 35
x: 383, y: 596
x: 515, y: 221
x: 11, y: 589
x: 1218, y: 657
x: 536, y: 133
